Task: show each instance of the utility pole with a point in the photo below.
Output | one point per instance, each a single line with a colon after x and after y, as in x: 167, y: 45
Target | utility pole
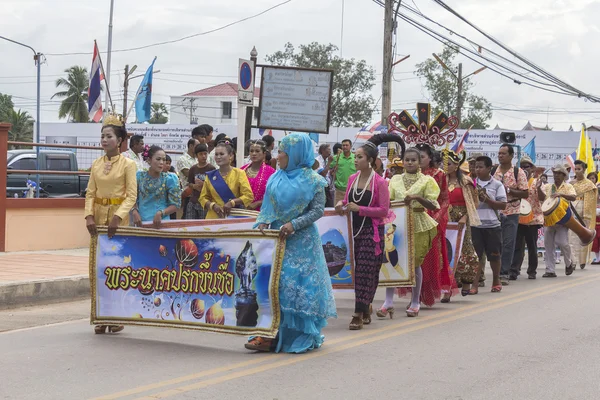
x: 192, y: 108
x: 459, y: 99
x: 388, y: 32
x: 125, y: 86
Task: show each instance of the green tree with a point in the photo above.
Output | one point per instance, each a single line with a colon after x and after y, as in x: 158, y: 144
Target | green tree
x: 351, y: 101
x: 22, y: 127
x: 74, y: 106
x: 159, y: 114
x: 6, y: 106
x: 443, y: 90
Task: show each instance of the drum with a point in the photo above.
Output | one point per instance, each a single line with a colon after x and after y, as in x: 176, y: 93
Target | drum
x: 558, y: 211
x: 526, y: 213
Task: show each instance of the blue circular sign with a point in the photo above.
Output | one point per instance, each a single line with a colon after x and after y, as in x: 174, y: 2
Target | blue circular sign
x: 245, y: 76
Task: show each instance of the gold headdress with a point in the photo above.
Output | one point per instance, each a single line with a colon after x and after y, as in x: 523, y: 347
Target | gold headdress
x: 113, y: 119
x: 440, y: 131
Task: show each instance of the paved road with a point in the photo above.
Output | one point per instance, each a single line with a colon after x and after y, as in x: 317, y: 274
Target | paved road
x: 536, y: 340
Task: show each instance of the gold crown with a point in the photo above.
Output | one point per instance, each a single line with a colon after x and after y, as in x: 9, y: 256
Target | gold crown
x: 113, y: 119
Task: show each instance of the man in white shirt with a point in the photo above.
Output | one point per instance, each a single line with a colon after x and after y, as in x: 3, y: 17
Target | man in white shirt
x: 324, y: 159
x: 136, y: 148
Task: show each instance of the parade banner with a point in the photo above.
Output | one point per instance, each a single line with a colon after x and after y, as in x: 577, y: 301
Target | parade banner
x: 226, y: 281
x: 336, y: 233
x: 398, y: 268
x: 455, y: 234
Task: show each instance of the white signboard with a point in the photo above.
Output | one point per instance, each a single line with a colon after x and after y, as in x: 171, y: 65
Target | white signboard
x: 295, y: 99
x: 246, y: 82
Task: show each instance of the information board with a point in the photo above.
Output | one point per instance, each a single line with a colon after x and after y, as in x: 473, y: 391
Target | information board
x: 295, y: 99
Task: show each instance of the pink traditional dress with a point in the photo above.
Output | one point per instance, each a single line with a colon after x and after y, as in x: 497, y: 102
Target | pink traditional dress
x: 258, y: 183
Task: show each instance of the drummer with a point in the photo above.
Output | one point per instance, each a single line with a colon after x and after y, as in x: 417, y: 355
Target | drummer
x: 558, y: 235
x: 527, y: 234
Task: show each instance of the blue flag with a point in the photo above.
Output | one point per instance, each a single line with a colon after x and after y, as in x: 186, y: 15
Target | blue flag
x: 143, y: 103
x: 529, y: 149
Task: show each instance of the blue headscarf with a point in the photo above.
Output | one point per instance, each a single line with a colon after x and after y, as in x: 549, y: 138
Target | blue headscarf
x: 290, y: 190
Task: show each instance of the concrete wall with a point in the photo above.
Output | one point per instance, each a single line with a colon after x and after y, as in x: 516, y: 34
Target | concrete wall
x: 45, y: 224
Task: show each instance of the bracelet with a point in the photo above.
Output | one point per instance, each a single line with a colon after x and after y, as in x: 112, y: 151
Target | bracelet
x: 212, y: 206
x: 162, y: 213
x: 232, y: 203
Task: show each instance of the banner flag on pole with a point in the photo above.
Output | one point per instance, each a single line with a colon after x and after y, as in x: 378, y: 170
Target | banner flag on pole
x: 143, y: 102
x: 530, y: 150
x: 94, y: 89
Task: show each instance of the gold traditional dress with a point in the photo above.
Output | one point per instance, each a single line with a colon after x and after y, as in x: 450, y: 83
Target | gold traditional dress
x: 424, y: 227
x: 112, y: 189
x: 237, y: 182
x: 585, y: 205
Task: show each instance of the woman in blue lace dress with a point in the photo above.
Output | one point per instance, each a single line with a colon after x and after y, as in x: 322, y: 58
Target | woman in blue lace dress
x: 294, y: 200
x: 159, y: 193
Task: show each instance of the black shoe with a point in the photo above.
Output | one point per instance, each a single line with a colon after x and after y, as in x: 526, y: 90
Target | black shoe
x: 549, y: 275
x: 512, y: 278
x: 570, y: 269
x: 531, y: 276
x: 582, y: 266
x: 482, y: 284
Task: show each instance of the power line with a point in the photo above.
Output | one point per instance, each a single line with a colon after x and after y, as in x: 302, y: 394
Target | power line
x: 180, y: 39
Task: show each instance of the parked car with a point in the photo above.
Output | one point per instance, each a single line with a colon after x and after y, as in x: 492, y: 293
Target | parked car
x: 50, y: 160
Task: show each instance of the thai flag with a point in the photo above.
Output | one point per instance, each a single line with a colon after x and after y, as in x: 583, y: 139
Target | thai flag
x: 571, y: 160
x: 460, y: 145
x: 94, y: 92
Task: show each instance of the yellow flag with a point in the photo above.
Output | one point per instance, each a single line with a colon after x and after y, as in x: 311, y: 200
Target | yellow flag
x: 582, y: 148
x: 590, y: 157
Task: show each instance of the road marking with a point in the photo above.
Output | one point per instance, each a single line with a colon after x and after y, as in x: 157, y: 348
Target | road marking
x: 400, y: 328
x: 31, y: 328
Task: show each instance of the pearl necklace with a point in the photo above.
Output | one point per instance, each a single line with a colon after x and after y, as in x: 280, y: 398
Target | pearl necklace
x: 355, y: 191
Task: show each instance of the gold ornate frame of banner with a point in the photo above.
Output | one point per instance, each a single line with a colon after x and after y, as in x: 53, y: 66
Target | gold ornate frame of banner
x: 398, y: 269
x: 335, y: 232
x: 218, y: 317
x: 455, y: 249
x: 195, y: 225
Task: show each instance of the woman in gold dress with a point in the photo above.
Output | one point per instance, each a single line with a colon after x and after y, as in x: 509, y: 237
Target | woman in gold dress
x: 112, y: 189
x: 585, y: 205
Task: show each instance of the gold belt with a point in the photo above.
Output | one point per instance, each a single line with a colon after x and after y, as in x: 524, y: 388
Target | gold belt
x: 418, y: 209
x: 106, y: 202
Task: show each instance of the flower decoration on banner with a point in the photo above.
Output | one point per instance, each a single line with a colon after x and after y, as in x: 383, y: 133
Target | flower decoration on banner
x: 438, y: 132
x: 146, y: 152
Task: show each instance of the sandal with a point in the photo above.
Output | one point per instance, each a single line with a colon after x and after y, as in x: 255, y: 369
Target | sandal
x: 115, y: 328
x: 413, y: 312
x: 473, y: 291
x: 384, y: 312
x: 367, y: 316
x: 100, y: 329
x: 465, y: 292
x: 357, y: 322
x: 496, y: 289
x: 259, y: 344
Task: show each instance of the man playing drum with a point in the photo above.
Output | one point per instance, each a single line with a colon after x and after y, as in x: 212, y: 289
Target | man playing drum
x: 558, y: 235
x: 530, y: 225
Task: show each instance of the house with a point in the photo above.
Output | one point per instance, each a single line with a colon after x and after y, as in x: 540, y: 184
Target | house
x: 215, y: 105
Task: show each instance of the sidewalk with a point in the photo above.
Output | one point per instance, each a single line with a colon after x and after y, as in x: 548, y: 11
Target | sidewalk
x: 43, y: 276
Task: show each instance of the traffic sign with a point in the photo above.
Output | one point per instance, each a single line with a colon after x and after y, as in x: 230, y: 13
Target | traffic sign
x: 246, y: 81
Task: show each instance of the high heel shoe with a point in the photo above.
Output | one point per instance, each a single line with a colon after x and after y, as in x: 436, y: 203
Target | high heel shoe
x: 384, y: 312
x: 367, y: 316
x: 413, y: 312
x: 357, y: 322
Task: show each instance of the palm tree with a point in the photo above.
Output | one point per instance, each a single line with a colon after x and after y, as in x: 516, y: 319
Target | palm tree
x: 22, y: 127
x: 159, y: 114
x: 74, y: 106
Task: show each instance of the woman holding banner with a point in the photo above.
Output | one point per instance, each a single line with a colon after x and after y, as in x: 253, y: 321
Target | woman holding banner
x: 463, y: 209
x: 420, y: 192
x: 294, y: 200
x: 159, y: 194
x: 368, y: 200
x: 225, y: 188
x: 258, y: 172
x: 112, y: 188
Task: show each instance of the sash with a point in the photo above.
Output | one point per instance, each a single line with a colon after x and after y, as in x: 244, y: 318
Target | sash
x: 220, y: 186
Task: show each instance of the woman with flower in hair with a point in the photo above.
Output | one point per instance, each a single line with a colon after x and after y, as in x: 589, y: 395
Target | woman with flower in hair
x: 463, y: 201
x: 112, y: 188
x: 258, y: 172
x: 225, y: 188
x: 367, y: 199
x: 159, y: 193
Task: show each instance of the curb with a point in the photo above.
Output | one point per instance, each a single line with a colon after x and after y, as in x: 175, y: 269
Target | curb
x: 19, y: 294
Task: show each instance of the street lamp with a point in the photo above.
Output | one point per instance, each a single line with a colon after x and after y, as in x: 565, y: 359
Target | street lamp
x: 37, y: 58
x: 460, y: 79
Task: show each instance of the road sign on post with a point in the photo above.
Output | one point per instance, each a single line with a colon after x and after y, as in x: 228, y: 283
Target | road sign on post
x: 246, y: 82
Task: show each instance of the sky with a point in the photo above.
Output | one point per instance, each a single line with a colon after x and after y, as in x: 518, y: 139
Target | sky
x: 554, y: 34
